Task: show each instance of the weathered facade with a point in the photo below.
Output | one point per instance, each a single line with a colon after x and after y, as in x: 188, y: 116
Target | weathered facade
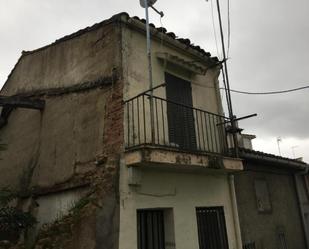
x: 68, y: 153
x: 108, y: 166
x: 268, y: 199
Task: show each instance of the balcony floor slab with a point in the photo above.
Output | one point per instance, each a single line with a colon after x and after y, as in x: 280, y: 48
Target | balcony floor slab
x: 162, y: 158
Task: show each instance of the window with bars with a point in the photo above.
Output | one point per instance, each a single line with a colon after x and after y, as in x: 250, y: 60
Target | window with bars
x: 155, y: 229
x: 212, y: 232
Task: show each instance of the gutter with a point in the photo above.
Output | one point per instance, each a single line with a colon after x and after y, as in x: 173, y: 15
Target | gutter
x: 274, y: 161
x: 235, y: 212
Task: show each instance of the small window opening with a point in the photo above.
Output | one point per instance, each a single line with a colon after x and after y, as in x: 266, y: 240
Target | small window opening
x: 155, y: 229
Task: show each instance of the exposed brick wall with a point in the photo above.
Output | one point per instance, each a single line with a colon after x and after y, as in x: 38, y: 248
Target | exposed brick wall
x: 97, y: 225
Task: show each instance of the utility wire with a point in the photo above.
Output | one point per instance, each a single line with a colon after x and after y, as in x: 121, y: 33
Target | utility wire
x: 268, y: 93
x: 214, y: 27
x: 228, y: 28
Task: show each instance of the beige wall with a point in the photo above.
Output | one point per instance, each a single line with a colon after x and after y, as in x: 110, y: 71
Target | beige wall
x: 64, y: 146
x: 47, y: 148
x: 136, y: 71
x: 263, y: 228
x: 205, y: 92
x: 181, y: 192
x: 83, y: 58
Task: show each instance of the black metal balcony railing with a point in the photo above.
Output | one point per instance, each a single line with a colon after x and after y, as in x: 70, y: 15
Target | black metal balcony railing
x: 174, y: 125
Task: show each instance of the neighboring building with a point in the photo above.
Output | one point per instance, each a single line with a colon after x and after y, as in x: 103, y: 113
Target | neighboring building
x: 87, y: 140
x: 268, y: 192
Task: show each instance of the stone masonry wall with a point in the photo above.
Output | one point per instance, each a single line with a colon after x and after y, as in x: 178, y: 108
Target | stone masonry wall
x: 72, y: 148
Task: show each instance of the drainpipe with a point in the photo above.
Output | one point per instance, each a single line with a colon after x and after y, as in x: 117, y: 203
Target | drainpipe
x: 300, y: 206
x: 235, y: 212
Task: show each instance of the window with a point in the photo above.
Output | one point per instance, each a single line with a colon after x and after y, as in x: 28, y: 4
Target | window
x: 282, y: 241
x: 249, y: 245
x: 281, y: 238
x: 262, y: 196
x: 180, y: 116
x: 155, y: 229
x: 211, y: 228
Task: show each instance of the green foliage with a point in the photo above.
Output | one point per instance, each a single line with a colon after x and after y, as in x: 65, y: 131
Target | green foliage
x: 12, y: 219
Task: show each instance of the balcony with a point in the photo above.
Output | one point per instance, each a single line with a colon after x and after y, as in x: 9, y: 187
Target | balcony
x: 173, y: 125
x: 175, y: 134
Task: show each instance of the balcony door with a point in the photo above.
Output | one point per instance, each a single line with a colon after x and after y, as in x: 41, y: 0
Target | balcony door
x: 180, y: 113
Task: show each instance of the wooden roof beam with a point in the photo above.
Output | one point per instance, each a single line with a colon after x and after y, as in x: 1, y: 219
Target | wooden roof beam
x: 22, y: 102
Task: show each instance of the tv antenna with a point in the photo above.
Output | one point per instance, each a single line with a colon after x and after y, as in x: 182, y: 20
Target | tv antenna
x: 279, y: 139
x: 146, y: 4
x: 293, y: 150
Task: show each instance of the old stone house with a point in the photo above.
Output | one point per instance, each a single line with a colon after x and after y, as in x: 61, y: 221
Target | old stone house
x: 272, y: 199
x: 106, y: 165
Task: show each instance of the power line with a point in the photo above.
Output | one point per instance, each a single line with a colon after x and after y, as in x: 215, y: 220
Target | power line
x: 268, y: 93
x: 228, y: 28
x: 263, y: 93
x: 271, y: 92
x: 214, y: 27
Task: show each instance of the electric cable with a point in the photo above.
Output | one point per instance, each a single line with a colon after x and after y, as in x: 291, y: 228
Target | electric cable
x: 228, y: 29
x: 214, y: 27
x: 261, y: 93
x: 271, y: 92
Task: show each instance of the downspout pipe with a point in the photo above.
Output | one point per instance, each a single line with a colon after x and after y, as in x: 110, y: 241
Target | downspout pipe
x: 300, y: 206
x: 235, y: 212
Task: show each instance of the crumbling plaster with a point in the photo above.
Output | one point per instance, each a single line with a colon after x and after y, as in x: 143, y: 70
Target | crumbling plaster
x: 75, y: 141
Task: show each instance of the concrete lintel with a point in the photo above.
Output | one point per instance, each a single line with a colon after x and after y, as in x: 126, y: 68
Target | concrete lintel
x: 162, y: 158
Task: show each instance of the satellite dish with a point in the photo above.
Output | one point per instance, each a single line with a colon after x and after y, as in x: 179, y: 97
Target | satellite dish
x: 149, y: 2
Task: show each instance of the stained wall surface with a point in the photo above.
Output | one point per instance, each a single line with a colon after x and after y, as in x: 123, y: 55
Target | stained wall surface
x: 52, y: 152
x: 204, y: 87
x: 180, y: 193
x: 84, y: 58
x: 47, y: 147
x: 264, y: 228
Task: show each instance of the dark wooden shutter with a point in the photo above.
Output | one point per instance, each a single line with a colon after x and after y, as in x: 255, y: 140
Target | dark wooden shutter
x: 211, y: 228
x: 150, y: 229
x: 180, y: 118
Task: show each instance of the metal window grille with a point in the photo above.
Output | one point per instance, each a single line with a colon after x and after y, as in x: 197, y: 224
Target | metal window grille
x: 249, y: 245
x: 211, y: 228
x: 282, y: 240
x: 150, y: 229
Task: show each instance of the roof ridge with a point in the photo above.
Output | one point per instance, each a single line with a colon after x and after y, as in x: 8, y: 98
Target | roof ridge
x: 117, y: 17
x: 80, y: 32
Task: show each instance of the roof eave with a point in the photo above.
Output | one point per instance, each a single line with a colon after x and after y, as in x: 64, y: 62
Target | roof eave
x: 273, y: 161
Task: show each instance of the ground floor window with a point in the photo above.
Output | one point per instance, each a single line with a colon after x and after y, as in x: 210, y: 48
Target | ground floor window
x: 211, y: 228
x: 155, y: 229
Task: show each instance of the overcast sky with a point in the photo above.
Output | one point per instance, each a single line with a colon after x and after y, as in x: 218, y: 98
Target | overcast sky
x: 269, y: 51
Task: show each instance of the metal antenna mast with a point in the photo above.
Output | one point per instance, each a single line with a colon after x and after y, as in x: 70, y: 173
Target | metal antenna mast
x: 146, y: 4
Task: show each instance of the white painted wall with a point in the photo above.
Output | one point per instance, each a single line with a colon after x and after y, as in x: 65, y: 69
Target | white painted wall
x: 182, y: 192
x: 54, y: 206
